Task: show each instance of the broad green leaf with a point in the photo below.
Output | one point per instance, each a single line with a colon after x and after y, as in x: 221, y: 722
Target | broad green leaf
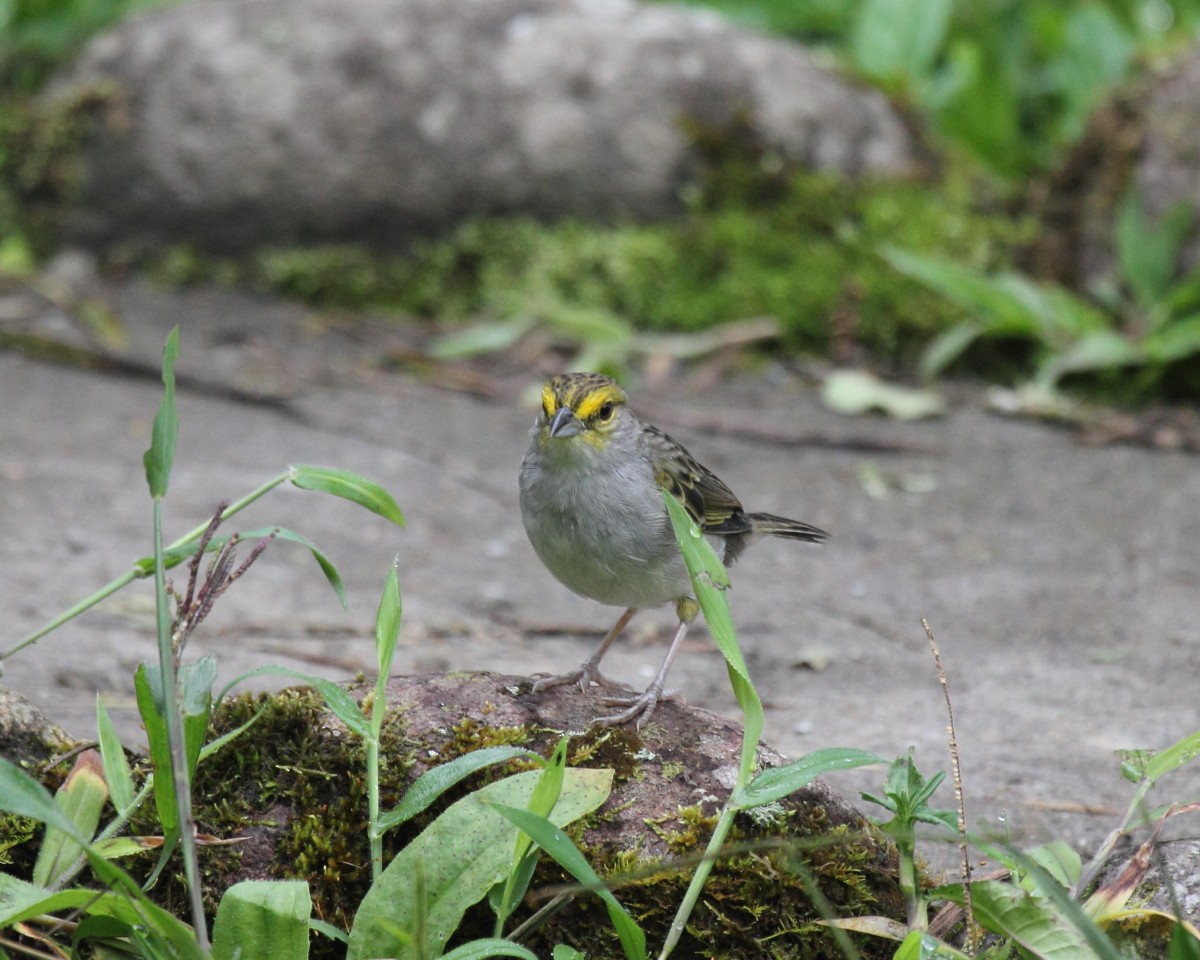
x: 1059, y: 861
x: 490, y: 947
x: 490, y: 337
x: 1034, y: 922
x: 592, y: 325
x: 559, y: 846
x: 161, y: 455
x: 1146, y: 252
x: 116, y: 765
x: 342, y: 705
x: 1176, y: 340
x: 433, y: 783
x: 263, y: 920
x: 775, y: 783
x: 195, y: 683
x: 1098, y: 350
x: 349, y: 486
x: 81, y: 797
x: 460, y: 856
x: 564, y: 952
x: 899, y: 39
x: 387, y: 623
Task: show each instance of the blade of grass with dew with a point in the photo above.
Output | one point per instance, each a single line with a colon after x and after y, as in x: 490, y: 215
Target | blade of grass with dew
x: 559, y: 846
x: 709, y: 580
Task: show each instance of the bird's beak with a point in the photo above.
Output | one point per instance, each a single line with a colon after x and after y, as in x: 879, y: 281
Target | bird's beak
x: 565, y: 423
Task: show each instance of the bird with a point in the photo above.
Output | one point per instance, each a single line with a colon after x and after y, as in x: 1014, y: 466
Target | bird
x: 591, y: 495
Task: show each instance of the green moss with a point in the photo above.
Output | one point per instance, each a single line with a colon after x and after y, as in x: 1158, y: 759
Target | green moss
x: 799, y: 247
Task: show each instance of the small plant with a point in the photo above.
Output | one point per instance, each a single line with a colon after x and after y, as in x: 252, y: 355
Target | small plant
x: 1148, y: 320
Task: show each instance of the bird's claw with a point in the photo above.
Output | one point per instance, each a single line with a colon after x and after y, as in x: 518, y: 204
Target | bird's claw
x: 641, y: 707
x: 584, y: 677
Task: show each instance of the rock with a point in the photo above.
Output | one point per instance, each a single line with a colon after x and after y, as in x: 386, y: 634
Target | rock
x: 293, y: 789
x: 234, y: 123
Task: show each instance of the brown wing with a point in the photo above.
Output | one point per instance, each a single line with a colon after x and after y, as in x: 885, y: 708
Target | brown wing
x: 711, y: 504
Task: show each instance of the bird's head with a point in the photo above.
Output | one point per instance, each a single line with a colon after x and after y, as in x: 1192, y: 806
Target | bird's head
x: 584, y: 408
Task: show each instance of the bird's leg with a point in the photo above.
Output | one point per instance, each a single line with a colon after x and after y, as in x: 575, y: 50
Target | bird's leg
x: 644, y: 705
x: 589, y: 671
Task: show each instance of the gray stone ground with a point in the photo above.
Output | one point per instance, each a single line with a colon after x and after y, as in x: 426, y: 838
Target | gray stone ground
x: 1061, y: 581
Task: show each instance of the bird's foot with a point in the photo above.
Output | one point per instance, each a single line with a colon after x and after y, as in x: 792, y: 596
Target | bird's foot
x: 641, y: 707
x: 585, y: 676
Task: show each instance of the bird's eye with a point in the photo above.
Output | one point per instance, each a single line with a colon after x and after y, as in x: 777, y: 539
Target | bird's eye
x: 605, y: 413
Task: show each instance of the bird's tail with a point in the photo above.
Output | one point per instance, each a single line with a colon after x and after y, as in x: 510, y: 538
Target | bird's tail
x: 783, y: 527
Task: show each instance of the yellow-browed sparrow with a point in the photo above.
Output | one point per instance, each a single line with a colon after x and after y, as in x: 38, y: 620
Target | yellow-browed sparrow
x: 591, y: 500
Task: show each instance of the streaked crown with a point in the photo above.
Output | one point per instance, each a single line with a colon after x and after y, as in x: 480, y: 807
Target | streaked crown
x: 593, y: 397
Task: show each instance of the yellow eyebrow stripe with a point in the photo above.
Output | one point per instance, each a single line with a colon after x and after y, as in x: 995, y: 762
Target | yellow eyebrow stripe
x: 549, y: 401
x: 595, y: 399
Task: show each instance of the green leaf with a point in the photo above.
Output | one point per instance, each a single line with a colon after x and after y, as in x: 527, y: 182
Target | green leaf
x: 116, y: 765
x: 490, y: 947
x: 81, y: 797
x: 710, y: 579
x: 387, y: 624
x: 342, y: 705
x: 899, y: 39
x: 195, y: 684
x: 1147, y: 253
x: 21, y: 901
x: 1098, y: 350
x: 559, y: 846
x: 564, y: 952
x: 489, y: 337
x: 161, y: 455
x: 1038, y: 924
x: 433, y: 783
x: 1175, y: 756
x: 1176, y: 340
x: 264, y: 920
x: 177, y: 555
x: 349, y: 486
x: 20, y: 794
x: 1058, y: 861
x: 947, y: 347
x: 461, y: 855
x: 775, y: 783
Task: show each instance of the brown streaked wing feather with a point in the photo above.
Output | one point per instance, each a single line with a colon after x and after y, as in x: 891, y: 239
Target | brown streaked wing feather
x: 705, y: 496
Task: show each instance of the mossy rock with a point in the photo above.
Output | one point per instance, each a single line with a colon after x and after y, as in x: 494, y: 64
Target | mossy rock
x: 293, y: 788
